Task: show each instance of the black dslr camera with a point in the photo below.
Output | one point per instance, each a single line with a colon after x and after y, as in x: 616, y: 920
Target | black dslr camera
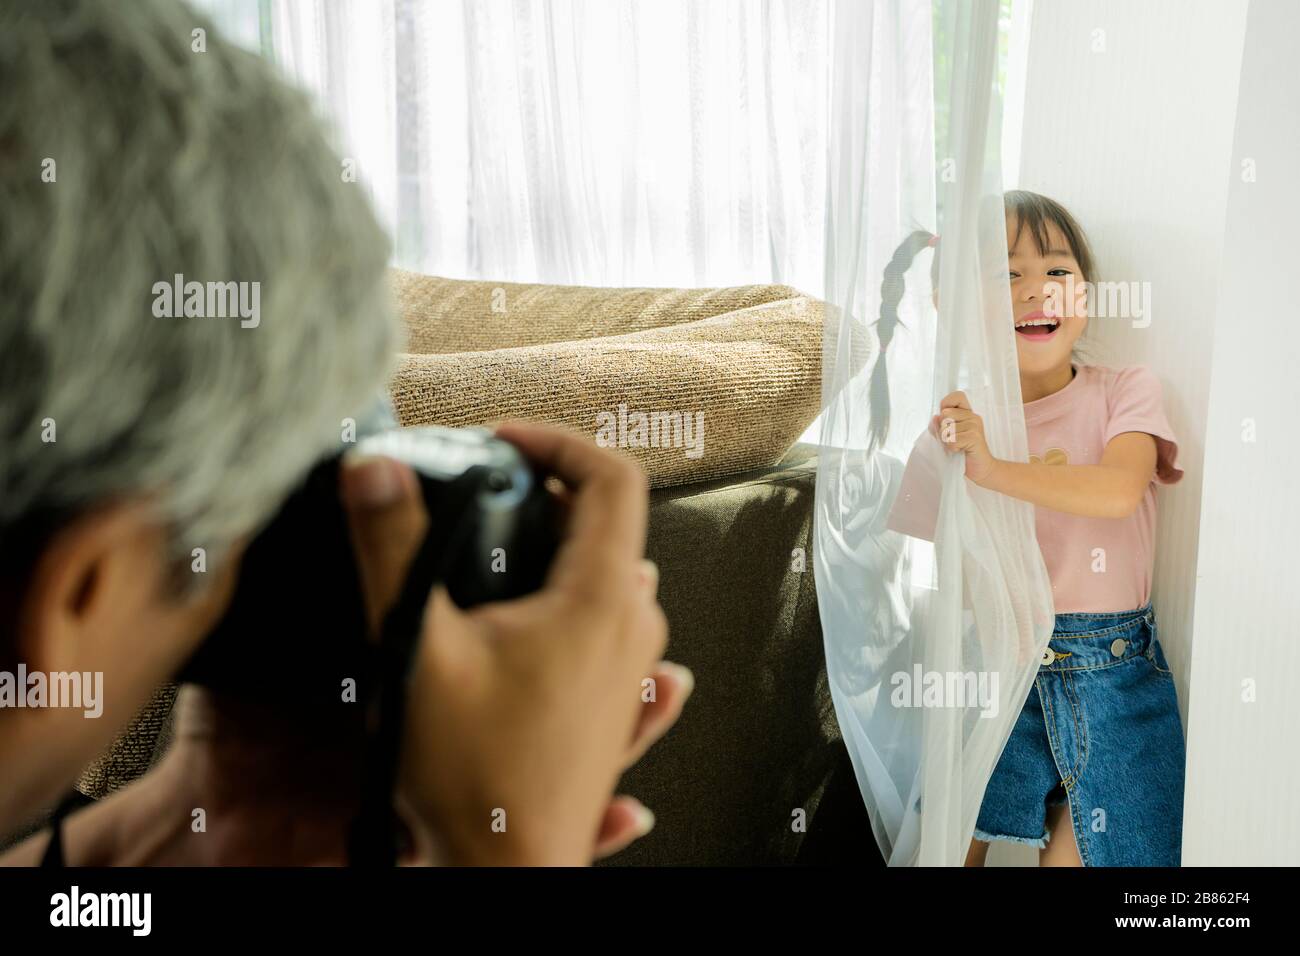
x: 295, y: 632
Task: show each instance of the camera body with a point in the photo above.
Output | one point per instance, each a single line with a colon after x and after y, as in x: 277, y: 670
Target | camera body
x: 484, y: 496
x: 295, y: 634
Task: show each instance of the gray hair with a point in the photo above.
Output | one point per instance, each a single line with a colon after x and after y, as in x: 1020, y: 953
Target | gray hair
x: 167, y: 161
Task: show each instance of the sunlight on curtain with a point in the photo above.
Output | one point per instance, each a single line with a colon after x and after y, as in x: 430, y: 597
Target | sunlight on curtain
x: 928, y: 668
x: 1018, y: 15
x: 610, y: 142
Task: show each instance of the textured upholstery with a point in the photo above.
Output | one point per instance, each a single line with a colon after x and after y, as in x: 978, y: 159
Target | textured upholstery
x: 745, y: 362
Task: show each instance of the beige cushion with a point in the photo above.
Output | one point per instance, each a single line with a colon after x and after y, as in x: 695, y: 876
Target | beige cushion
x: 747, y: 359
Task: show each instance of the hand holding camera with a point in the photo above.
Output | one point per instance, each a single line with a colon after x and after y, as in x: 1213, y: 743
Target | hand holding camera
x: 521, y: 714
x: 536, y: 701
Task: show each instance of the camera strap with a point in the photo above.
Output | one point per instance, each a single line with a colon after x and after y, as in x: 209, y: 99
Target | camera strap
x: 374, y: 834
x: 53, y: 856
x: 374, y: 837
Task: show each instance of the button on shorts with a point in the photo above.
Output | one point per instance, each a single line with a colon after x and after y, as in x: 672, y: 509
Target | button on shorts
x: 1101, y: 731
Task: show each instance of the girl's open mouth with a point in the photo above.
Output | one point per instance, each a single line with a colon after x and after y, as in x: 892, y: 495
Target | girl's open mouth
x: 1037, y: 326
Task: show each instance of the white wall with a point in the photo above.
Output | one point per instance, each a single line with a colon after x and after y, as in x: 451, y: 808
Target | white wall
x: 1243, y: 774
x: 1135, y: 140
x: 1129, y: 111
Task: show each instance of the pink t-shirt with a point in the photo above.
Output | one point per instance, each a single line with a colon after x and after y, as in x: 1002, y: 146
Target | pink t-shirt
x: 1095, y: 564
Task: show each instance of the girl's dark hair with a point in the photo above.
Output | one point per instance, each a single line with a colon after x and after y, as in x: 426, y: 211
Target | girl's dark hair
x: 1035, y: 212
x: 1031, y: 211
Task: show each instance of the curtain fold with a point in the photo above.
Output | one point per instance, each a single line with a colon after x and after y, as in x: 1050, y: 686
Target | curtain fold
x: 931, y: 646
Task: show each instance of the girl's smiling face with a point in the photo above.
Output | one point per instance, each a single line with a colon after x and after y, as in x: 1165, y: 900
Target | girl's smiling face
x: 1048, y: 298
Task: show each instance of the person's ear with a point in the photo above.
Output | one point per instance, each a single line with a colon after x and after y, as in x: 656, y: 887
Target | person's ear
x: 95, y: 575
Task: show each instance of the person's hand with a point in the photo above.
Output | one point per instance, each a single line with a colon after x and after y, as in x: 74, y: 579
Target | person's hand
x: 523, y: 714
x: 960, y: 429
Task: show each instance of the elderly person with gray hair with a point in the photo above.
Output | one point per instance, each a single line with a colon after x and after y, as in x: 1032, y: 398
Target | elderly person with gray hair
x: 133, y: 434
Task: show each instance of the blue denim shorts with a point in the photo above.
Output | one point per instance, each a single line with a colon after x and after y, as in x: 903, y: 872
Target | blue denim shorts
x: 1100, y: 729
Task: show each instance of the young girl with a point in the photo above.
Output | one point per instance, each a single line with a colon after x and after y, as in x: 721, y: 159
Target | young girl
x: 1092, y: 774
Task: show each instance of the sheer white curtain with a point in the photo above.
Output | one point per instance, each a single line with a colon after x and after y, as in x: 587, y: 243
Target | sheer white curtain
x: 606, y: 142
x: 931, y: 649
x: 683, y: 142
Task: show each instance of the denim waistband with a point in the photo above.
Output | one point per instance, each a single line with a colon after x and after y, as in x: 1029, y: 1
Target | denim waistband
x: 1099, y: 639
x: 1089, y: 623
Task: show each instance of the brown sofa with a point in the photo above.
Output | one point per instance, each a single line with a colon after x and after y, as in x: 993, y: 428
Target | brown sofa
x: 758, y: 741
